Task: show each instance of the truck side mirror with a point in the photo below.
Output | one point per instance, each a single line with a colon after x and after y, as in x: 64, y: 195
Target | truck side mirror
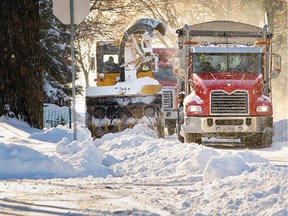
x: 276, y: 69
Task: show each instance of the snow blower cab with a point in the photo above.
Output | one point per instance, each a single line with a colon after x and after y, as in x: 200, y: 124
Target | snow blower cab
x: 126, y: 93
x: 108, y: 67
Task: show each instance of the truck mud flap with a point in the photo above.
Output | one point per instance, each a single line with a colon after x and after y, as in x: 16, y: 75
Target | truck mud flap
x: 115, y: 114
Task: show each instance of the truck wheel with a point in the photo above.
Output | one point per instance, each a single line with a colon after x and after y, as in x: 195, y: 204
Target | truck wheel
x: 180, y: 137
x: 259, y: 140
x: 160, y: 128
x: 180, y: 121
x: 193, y: 138
x: 171, y: 130
x: 264, y: 140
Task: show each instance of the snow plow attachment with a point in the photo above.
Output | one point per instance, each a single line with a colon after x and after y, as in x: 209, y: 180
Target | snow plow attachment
x: 115, y: 114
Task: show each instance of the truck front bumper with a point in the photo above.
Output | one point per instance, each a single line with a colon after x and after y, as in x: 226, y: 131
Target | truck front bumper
x: 226, y: 126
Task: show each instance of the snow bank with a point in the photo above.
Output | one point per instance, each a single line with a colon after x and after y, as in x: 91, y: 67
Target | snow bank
x: 84, y: 156
x: 280, y: 141
x: 134, y: 153
x: 18, y: 125
x: 23, y: 162
x: 71, y: 158
x: 221, y: 167
x: 56, y: 134
x: 280, y: 131
x: 198, y: 162
x: 200, y: 180
x: 53, y: 135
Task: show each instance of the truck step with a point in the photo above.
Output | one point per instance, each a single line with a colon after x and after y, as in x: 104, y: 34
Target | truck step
x: 222, y: 143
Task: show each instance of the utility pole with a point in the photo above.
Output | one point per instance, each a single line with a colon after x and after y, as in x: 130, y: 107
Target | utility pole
x: 72, y: 12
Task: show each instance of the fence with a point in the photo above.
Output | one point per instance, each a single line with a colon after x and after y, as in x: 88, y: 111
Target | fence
x: 55, y: 115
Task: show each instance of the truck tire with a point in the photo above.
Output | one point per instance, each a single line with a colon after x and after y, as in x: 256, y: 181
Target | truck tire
x: 171, y: 127
x: 180, y: 121
x: 171, y: 130
x: 193, y: 138
x: 259, y: 140
x: 160, y: 126
x: 179, y: 136
x: 265, y: 140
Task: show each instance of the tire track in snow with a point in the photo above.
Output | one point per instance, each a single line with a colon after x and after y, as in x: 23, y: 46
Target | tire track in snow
x: 9, y: 131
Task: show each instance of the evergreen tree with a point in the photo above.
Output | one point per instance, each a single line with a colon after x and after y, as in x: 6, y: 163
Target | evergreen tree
x: 20, y: 77
x: 55, y: 56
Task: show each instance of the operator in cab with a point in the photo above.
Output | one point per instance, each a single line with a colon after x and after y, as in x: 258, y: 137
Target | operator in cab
x: 110, y: 65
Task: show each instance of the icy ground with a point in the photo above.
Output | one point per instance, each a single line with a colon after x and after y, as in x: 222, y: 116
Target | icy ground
x: 45, y: 172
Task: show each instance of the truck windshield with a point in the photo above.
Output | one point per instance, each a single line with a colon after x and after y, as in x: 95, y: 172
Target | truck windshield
x: 226, y: 62
x: 165, y: 74
x: 108, y: 59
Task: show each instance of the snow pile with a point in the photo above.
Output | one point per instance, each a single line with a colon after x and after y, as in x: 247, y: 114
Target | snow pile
x: 139, y: 156
x: 230, y: 182
x: 56, y: 134
x: 84, y: 156
x: 281, y: 131
x: 260, y: 192
x: 135, y: 153
x: 17, y: 125
x: 280, y: 140
x: 71, y: 158
x: 198, y: 162
x: 221, y: 167
x: 23, y: 162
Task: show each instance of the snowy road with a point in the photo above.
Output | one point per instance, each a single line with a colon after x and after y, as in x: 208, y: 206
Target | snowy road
x: 90, y: 196
x: 83, y: 196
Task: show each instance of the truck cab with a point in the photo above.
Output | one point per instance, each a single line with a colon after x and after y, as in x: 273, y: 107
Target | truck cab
x: 226, y: 77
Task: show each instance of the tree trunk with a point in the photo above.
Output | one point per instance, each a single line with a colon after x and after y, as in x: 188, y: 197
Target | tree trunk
x: 21, y: 91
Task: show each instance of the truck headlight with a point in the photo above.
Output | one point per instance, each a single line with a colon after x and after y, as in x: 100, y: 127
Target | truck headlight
x: 263, y: 108
x: 193, y: 108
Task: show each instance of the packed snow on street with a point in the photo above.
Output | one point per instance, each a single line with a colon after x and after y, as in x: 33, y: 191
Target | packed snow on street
x: 46, y: 172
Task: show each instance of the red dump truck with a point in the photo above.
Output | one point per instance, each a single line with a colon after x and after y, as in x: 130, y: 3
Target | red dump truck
x: 168, y: 82
x: 225, y: 69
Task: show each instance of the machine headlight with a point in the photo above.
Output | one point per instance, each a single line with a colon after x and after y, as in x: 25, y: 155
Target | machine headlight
x: 193, y: 108
x: 101, y: 76
x: 263, y: 108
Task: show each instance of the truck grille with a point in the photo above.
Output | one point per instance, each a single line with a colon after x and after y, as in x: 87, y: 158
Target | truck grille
x: 225, y: 104
x: 167, y: 99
